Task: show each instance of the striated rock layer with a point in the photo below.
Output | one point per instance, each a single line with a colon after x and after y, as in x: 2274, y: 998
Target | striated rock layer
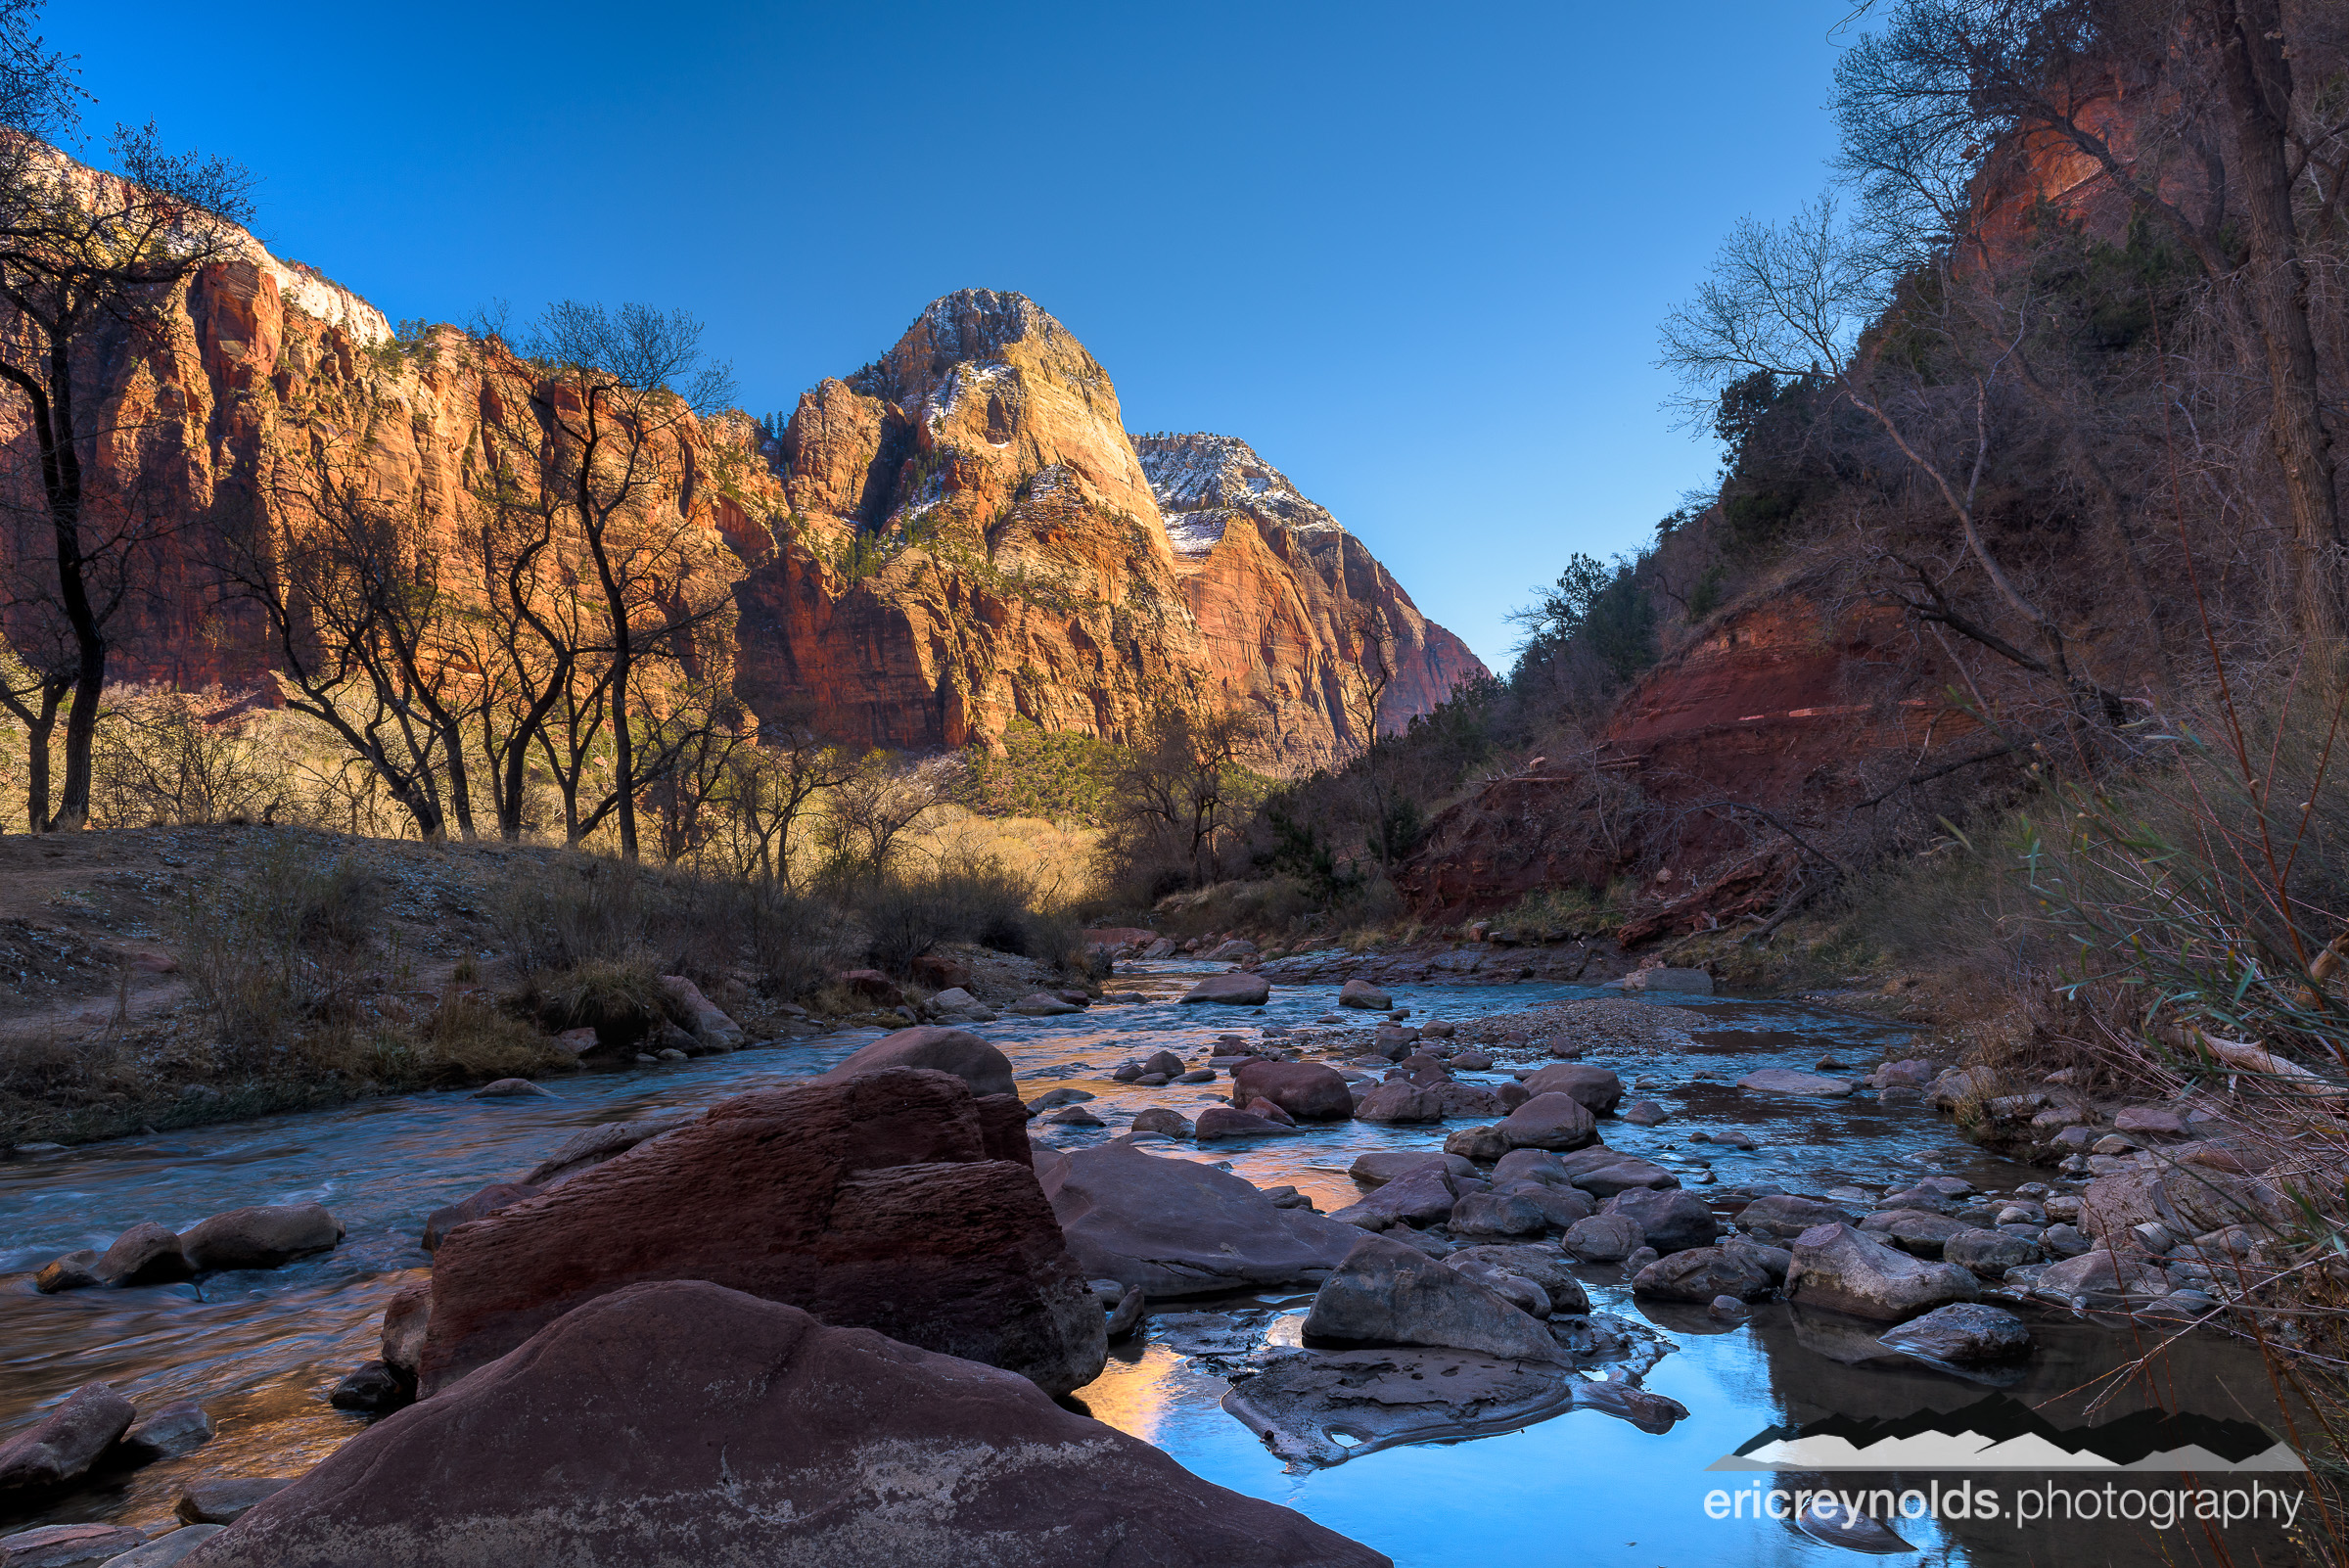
x: 956, y: 536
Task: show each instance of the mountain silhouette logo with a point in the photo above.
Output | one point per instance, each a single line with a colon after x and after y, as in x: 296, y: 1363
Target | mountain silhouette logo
x: 1999, y: 1433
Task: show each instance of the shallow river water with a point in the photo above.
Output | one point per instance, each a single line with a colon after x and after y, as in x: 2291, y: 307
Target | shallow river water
x: 261, y: 1350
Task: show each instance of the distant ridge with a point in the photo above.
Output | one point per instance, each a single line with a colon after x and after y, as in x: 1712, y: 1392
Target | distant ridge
x: 1999, y: 1433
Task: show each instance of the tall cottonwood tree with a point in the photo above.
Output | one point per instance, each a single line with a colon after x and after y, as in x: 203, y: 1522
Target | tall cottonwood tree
x: 91, y: 265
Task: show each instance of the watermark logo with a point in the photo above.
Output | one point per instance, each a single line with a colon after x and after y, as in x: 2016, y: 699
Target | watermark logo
x: 1999, y: 1433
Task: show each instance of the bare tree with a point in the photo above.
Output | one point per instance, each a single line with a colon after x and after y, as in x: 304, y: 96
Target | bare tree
x: 89, y: 267
x: 1172, y: 791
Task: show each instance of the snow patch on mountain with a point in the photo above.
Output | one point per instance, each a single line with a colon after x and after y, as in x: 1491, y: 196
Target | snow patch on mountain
x: 1203, y: 481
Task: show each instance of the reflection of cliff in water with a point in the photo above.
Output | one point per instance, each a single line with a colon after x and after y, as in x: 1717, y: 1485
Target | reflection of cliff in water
x: 1817, y: 1363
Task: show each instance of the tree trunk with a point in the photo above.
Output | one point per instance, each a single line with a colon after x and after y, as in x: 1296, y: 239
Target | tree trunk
x: 2259, y: 94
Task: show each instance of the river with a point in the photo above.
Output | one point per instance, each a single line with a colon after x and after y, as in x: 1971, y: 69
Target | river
x: 261, y: 1350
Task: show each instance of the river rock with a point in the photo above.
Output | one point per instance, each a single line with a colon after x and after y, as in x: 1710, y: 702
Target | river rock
x: 1553, y: 1121
x: 1699, y: 1274
x: 1961, y: 1334
x: 1848, y: 1271
x: 1469, y: 1099
x: 875, y: 1201
x: 177, y: 1428
x: 226, y: 1499
x: 1785, y: 1080
x: 1990, y: 1253
x: 1381, y: 1166
x: 1645, y: 1113
x: 1915, y: 1231
x: 1422, y: 1195
x: 1604, y: 1172
x: 1669, y: 1220
x: 1237, y: 988
x: 1541, y: 1263
x: 61, y: 1445
x: 986, y: 1070
x: 722, y: 1428
x: 1041, y: 1005
x: 371, y: 1388
x: 165, y: 1550
x: 1596, y: 1086
x: 263, y: 1236
x: 1073, y: 1116
x: 1220, y: 1122
x: 1560, y: 1206
x: 1307, y: 1090
x: 1175, y: 1227
x: 1399, y: 1101
x: 512, y: 1088
x: 2100, y: 1278
x: 1604, y: 1238
x: 590, y: 1147
x: 491, y: 1198
x: 1158, y: 1119
x: 710, y: 1025
x: 1364, y: 995
x: 1262, y: 1107
x: 68, y: 1545
x: 1689, y: 982
x: 2186, y: 1199
x: 1784, y: 1217
x: 1494, y: 1216
x: 76, y: 1270
x: 1387, y: 1293
x: 407, y: 1318
x: 147, y: 1254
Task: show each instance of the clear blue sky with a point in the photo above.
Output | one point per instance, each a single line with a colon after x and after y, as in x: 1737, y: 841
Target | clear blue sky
x: 1416, y: 253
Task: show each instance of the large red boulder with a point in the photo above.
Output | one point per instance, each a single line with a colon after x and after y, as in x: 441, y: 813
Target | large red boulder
x: 874, y: 1201
x: 941, y: 1050
x: 683, y: 1425
x: 1307, y: 1090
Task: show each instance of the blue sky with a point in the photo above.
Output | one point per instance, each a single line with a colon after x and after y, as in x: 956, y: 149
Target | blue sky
x: 1415, y: 253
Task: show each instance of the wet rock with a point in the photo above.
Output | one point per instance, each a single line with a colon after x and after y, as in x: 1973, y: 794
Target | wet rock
x: 1307, y: 1090
x: 1604, y: 1172
x: 1512, y: 1096
x: 1054, y: 1099
x: 1560, y: 1206
x: 1237, y: 988
x: 226, y: 1499
x: 1387, y: 1293
x: 1493, y: 1216
x: 1381, y: 1166
x: 876, y: 1203
x: 166, y: 1549
x: 986, y: 1070
x: 1784, y: 1081
x: 1040, y: 1005
x: 1774, y: 1261
x: 68, y: 1545
x: 1550, y: 1120
x: 1364, y: 995
x: 1698, y: 1275
x: 262, y: 1236
x: 728, y: 1429
x: 1546, y: 1265
x: 1262, y: 1107
x: 1846, y: 1270
x: 1477, y: 1143
x: 1175, y: 1227
x: 491, y: 1198
x: 60, y: 1447
x: 1423, y: 1194
x: 512, y: 1088
x: 2064, y: 1241
x: 147, y: 1254
x: 1960, y: 1335
x: 1645, y: 1113
x: 1914, y: 1230
x: 1669, y: 1220
x: 1126, y: 1316
x: 371, y: 1388
x: 407, y: 1318
x: 1465, y: 1061
x: 1728, y: 1310
x: 1784, y: 1218
x: 177, y: 1428
x: 1469, y: 1099
x: 2100, y: 1278
x: 1219, y: 1123
x: 1597, y: 1088
x: 1296, y: 1401
x: 1073, y: 1116
x: 1604, y: 1238
x: 1639, y: 1259
x: 76, y: 1270
x: 1990, y: 1253
x: 1531, y: 1165
x: 1158, y: 1119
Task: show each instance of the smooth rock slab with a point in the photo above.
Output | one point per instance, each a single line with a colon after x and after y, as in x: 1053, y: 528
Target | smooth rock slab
x: 180, y: 1427
x: 226, y: 1499
x: 165, y: 1551
x: 68, y: 1545
x: 1389, y: 1294
x: 1848, y: 1271
x: 1177, y: 1228
x: 58, y: 1447
x: 1699, y: 1275
x: 1962, y: 1335
x: 1238, y: 988
x: 1786, y: 1080
x: 725, y: 1431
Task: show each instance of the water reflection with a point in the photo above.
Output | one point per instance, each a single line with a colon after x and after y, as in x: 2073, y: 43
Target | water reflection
x: 261, y: 1350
